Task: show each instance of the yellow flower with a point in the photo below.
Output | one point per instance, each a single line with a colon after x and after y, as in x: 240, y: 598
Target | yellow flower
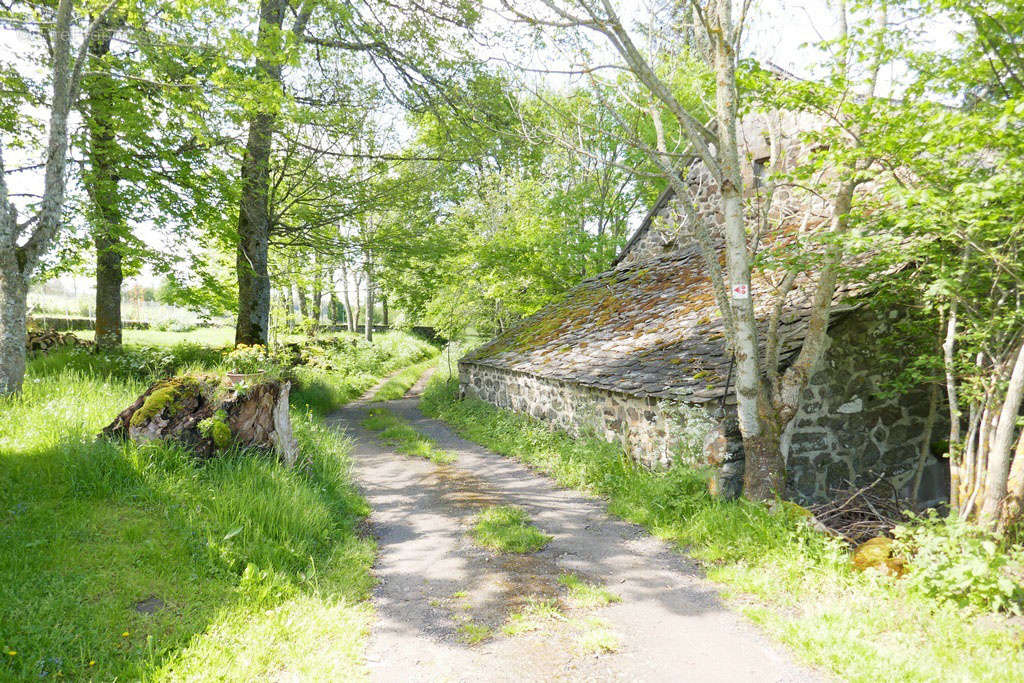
x: 12, y: 652
x: 92, y: 663
x: 125, y: 634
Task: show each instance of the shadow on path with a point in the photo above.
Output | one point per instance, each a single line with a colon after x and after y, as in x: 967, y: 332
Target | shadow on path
x: 435, y: 584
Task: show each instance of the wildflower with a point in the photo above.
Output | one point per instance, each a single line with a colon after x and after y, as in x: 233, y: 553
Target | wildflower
x: 125, y: 634
x: 92, y: 662
x: 12, y: 652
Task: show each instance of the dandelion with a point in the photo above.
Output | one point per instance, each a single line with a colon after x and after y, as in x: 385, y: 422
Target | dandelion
x: 92, y: 662
x: 12, y: 652
x: 125, y: 634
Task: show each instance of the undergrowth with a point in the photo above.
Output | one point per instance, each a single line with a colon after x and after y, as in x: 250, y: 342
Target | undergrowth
x: 795, y: 582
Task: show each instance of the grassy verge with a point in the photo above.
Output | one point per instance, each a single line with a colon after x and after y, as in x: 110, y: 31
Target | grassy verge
x: 403, y: 381
x: 133, y: 561
x: 795, y: 582
x: 507, y: 529
x: 407, y: 440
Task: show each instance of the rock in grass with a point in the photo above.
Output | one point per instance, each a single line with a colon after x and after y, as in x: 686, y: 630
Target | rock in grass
x: 877, y: 554
x: 208, y: 416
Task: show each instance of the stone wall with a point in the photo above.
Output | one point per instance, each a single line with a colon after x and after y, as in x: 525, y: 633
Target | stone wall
x: 849, y: 428
x: 653, y: 431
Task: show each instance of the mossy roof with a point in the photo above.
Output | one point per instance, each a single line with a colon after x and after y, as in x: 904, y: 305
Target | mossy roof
x: 652, y: 329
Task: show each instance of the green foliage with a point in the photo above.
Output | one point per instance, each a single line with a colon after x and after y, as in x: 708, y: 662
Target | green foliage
x: 507, y: 529
x: 949, y: 560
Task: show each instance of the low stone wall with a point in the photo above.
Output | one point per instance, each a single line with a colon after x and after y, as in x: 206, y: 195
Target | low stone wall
x: 79, y: 323
x: 653, y: 431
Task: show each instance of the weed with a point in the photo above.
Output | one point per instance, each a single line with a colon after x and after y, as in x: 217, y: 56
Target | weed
x: 536, y: 615
x: 397, y: 433
x: 398, y: 385
x: 472, y: 633
x: 596, y: 636
x: 586, y: 595
x: 507, y: 529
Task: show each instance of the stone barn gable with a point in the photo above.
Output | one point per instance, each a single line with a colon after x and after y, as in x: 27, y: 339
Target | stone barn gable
x: 636, y: 354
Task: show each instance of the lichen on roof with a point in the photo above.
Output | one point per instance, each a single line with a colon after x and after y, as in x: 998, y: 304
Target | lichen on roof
x: 652, y: 329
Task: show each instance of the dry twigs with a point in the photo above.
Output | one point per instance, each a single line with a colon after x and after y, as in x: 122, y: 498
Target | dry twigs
x: 858, y: 514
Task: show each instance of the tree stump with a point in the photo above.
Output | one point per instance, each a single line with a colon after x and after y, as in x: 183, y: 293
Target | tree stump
x: 209, y: 416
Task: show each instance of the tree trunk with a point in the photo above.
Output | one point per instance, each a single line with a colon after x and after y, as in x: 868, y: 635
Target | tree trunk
x: 254, y: 207
x: 19, y: 258
x: 102, y: 180
x: 1002, y: 441
x: 13, y: 306
x: 764, y: 470
x: 346, y: 300
x: 369, y: 303
x: 384, y: 306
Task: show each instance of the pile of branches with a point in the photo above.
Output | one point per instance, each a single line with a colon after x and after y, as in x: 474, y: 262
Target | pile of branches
x: 860, y: 514
x: 44, y: 340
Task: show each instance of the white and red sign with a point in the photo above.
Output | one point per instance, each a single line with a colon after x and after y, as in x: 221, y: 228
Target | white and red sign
x: 741, y: 291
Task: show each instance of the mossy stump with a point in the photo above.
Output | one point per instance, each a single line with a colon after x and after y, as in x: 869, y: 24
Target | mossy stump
x: 209, y: 416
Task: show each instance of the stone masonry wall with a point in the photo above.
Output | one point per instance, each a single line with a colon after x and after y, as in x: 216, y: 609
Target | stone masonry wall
x: 849, y: 427
x: 654, y: 431
x: 847, y: 430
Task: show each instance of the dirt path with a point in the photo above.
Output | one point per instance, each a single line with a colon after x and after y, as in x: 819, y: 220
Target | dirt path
x: 436, y: 586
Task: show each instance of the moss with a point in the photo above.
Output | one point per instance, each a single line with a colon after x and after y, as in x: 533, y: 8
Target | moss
x: 216, y: 427
x: 163, y: 398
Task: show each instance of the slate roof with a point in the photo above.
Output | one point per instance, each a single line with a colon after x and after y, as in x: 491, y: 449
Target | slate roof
x: 652, y: 329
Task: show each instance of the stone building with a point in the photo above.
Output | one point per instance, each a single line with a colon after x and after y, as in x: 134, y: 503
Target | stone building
x: 636, y: 354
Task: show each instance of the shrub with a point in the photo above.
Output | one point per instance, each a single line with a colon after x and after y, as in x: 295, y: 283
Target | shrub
x: 957, y: 562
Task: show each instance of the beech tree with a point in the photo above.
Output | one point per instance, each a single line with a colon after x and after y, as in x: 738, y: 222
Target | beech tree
x: 23, y: 242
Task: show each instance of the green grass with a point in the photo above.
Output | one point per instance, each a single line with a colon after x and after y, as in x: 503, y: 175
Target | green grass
x: 472, y: 633
x: 259, y: 568
x: 203, y: 336
x: 586, y: 595
x: 597, y: 637
x: 536, y: 615
x: 507, y: 529
x: 798, y: 584
x: 399, y: 384
x: 395, y: 432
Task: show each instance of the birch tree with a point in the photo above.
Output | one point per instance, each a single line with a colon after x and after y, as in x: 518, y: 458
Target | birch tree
x: 25, y: 241
x: 767, y: 398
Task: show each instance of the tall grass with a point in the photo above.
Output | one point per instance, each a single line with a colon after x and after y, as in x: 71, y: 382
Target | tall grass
x: 797, y: 583
x: 256, y: 571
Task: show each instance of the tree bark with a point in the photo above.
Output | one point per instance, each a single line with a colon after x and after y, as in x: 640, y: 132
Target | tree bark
x: 369, y: 303
x: 13, y: 330
x: 19, y: 257
x: 346, y: 300
x: 102, y: 183
x: 384, y: 306
x: 1002, y: 440
x: 254, y: 208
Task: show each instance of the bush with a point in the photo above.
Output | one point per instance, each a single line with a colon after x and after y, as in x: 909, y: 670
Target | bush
x: 957, y: 562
